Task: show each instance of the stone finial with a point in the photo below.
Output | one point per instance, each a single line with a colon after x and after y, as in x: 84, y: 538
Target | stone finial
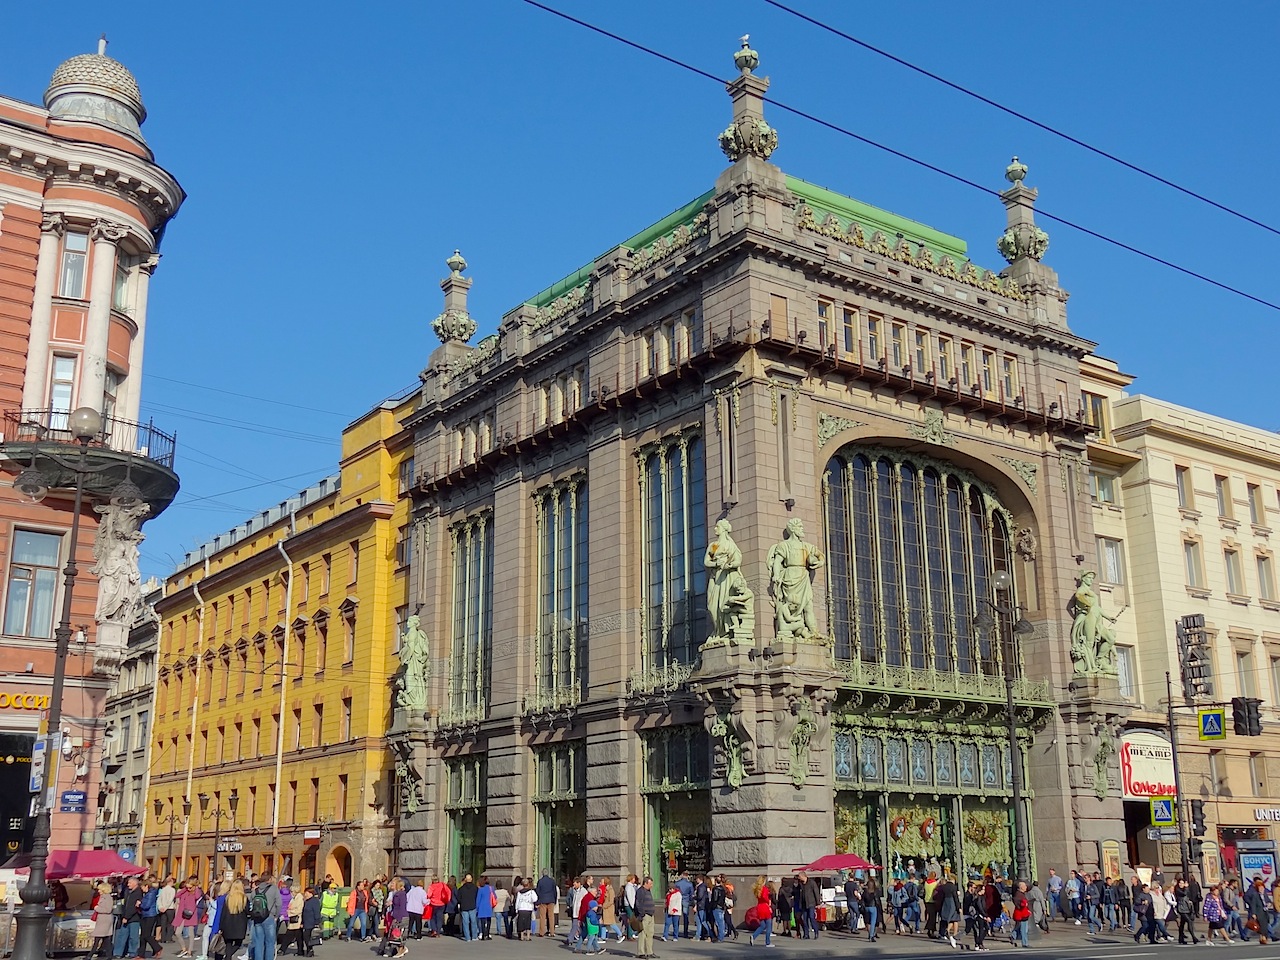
x: 748, y: 135
x: 455, y: 325
x: 1022, y: 239
x: 746, y: 59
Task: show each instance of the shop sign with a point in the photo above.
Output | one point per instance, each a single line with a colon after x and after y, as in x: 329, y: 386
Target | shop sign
x: 1257, y: 865
x: 24, y: 701
x: 230, y: 846
x: 1267, y: 814
x: 1146, y: 766
x: 311, y: 838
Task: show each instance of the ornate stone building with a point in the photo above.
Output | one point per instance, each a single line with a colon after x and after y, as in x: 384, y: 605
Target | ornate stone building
x: 83, y: 209
x: 888, y: 430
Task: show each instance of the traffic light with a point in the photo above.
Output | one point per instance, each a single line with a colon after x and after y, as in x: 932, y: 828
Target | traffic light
x: 1253, y: 716
x: 1240, y: 716
x: 1198, y: 827
x: 1195, y: 850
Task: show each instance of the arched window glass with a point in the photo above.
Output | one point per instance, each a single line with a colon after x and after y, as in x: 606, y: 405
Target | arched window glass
x: 912, y: 545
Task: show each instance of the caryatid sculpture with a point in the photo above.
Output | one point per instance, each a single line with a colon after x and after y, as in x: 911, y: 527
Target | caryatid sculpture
x: 730, y: 602
x: 791, y: 564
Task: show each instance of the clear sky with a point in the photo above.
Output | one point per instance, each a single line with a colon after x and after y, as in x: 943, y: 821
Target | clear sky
x: 336, y: 154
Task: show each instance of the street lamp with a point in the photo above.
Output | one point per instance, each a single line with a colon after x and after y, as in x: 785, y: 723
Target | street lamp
x: 218, y: 814
x: 1013, y: 627
x: 172, y: 819
x: 85, y: 425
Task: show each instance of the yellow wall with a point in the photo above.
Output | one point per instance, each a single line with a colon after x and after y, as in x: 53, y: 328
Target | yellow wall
x: 217, y: 731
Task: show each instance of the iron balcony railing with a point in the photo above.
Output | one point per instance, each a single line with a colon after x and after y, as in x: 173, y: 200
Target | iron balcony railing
x: 122, y: 436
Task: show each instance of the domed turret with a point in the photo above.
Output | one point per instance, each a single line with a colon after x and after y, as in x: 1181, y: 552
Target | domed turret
x: 96, y: 88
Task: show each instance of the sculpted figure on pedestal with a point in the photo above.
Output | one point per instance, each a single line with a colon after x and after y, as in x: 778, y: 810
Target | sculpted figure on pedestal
x: 1093, y: 641
x: 411, y: 682
x: 730, y: 602
x: 791, y: 565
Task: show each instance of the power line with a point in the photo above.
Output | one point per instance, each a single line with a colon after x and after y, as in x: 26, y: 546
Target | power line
x: 243, y: 396
x: 200, y: 416
x: 909, y: 158
x: 1142, y: 171
x: 252, y: 486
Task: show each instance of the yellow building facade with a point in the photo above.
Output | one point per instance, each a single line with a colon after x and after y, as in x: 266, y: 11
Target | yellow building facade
x: 277, y: 643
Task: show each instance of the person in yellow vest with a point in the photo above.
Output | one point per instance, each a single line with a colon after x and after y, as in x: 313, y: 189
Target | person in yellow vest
x: 328, y: 910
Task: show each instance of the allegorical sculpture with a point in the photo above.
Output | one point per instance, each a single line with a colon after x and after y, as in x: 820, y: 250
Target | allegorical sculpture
x: 115, y: 552
x: 415, y: 665
x: 791, y: 564
x: 1093, y: 641
x: 730, y: 602
x: 734, y: 768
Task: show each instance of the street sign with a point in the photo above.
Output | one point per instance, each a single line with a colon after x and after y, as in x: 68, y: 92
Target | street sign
x: 74, y: 798
x: 39, y: 752
x: 76, y: 808
x: 1163, y: 812
x: 1162, y: 833
x: 1212, y: 723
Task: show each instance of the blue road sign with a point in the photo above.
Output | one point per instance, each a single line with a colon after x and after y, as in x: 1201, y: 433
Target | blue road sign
x: 1162, y: 812
x: 1212, y: 723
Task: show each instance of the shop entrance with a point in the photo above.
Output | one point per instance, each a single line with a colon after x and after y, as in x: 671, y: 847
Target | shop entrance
x: 562, y: 838
x: 679, y: 834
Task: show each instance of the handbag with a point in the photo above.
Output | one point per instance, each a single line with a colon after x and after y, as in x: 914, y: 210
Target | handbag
x: 187, y: 914
x: 1252, y: 924
x: 636, y: 923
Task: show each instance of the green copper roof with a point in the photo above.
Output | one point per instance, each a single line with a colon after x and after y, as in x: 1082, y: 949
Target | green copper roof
x: 872, y: 218
x: 822, y: 200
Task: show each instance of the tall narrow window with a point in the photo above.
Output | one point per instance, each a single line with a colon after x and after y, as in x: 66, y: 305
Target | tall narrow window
x: 673, y: 498
x: 1235, y: 572
x: 120, y: 290
x: 472, y: 616
x: 1191, y: 563
x: 873, y: 340
x: 33, y: 584
x: 946, y: 360
x: 1009, y: 377
x: 966, y: 365
x: 1125, y: 672
x: 988, y: 373
x: 1095, y: 413
x: 921, y: 362
x: 1246, y: 681
x: 1257, y: 509
x: 75, y: 253
x: 353, y: 567
x: 404, y: 546
x: 1266, y: 579
x: 1222, y: 489
x: 62, y: 388
x: 346, y: 718
x: 850, y: 328
x: 824, y: 324
x: 1110, y: 560
x: 898, y: 346
x: 562, y: 592
x: 1182, y: 477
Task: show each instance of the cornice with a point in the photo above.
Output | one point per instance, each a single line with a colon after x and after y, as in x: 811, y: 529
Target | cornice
x: 270, y: 556
x: 134, y: 178
x: 1157, y: 428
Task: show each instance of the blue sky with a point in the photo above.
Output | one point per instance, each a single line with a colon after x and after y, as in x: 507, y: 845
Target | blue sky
x: 336, y: 154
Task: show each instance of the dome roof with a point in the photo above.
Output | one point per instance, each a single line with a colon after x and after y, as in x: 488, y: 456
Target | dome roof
x: 95, y: 87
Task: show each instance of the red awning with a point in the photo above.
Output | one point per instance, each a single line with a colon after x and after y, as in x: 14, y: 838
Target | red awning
x: 840, y: 861
x: 78, y: 865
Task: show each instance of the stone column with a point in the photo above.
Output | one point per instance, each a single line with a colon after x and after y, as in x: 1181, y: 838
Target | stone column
x: 105, y: 235
x: 34, y: 384
x: 131, y: 400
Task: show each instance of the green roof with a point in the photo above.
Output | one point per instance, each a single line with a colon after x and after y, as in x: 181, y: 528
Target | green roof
x: 873, y: 218
x: 819, y: 198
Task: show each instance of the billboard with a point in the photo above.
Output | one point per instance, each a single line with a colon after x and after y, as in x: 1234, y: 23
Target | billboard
x: 1146, y: 766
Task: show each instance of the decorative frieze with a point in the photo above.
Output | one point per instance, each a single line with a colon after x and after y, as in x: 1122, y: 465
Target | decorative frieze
x: 1025, y: 470
x: 934, y: 429
x: 829, y: 426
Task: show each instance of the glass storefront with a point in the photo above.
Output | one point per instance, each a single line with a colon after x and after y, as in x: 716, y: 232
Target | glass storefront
x: 560, y: 799
x: 677, y: 781
x: 466, y: 811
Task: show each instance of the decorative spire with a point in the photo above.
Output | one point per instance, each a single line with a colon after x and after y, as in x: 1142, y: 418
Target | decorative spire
x: 455, y: 324
x: 102, y: 45
x: 1022, y: 239
x: 748, y: 135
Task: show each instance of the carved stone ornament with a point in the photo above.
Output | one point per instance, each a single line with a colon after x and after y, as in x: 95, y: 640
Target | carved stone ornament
x: 1024, y: 240
x: 792, y: 562
x: 1025, y: 469
x: 454, y: 326
x: 1102, y: 754
x: 1093, y: 636
x: 734, y: 769
x: 806, y: 725
x: 829, y: 426
x: 115, y: 554
x: 748, y: 136
x: 934, y: 429
x: 53, y: 223
x: 731, y: 604
x: 1025, y: 544
x: 415, y: 668
x: 562, y: 306
x: 106, y: 230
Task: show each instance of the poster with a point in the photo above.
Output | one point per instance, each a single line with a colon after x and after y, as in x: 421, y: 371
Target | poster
x: 1111, y: 865
x: 1212, y: 864
x: 1146, y: 766
x: 697, y: 854
x: 1257, y: 865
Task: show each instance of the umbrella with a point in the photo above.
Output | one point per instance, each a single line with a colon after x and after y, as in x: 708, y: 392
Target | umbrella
x: 840, y: 861
x: 78, y: 864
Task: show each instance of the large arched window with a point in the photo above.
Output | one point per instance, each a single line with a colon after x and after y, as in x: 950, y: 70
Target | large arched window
x: 912, y: 544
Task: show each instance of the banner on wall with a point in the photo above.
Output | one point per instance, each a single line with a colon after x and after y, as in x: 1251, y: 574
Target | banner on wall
x: 1257, y: 865
x: 1146, y: 766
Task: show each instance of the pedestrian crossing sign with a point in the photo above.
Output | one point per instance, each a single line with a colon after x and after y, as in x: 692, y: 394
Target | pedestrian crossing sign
x: 1163, y: 813
x: 1212, y: 723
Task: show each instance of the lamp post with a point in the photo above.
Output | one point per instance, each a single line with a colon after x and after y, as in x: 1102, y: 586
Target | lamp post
x: 1013, y: 627
x: 217, y: 813
x: 85, y: 425
x: 172, y: 819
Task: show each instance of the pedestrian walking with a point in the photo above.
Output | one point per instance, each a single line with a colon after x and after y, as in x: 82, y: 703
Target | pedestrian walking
x: 548, y: 895
x: 1215, y: 914
x: 1185, y: 911
x: 187, y: 921
x: 871, y: 908
x: 166, y: 903
x: 948, y: 908
x: 975, y: 915
x: 673, y: 912
x: 468, y: 895
x: 129, y: 932
x: 644, y: 910
x: 231, y: 920
x: 104, y: 920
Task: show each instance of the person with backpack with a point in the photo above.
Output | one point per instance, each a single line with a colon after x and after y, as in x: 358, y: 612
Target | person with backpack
x: 763, y: 912
x: 264, y: 918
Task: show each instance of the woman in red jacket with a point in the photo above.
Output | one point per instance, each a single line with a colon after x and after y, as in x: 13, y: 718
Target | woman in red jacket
x: 764, y: 910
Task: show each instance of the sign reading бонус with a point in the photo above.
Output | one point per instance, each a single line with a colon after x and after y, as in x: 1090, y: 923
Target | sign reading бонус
x: 1146, y: 766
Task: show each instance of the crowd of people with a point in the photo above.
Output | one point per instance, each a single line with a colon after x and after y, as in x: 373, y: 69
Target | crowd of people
x: 253, y: 917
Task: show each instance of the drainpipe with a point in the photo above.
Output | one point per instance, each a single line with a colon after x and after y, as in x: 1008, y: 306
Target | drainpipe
x: 284, y: 658
x: 195, y: 706
x: 146, y: 773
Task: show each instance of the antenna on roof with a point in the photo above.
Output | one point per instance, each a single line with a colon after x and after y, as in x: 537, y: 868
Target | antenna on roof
x: 102, y: 45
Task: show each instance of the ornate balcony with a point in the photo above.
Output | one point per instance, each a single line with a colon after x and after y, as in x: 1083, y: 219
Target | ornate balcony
x: 124, y: 449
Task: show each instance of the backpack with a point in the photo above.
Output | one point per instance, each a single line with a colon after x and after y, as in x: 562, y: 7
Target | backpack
x: 259, y: 909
